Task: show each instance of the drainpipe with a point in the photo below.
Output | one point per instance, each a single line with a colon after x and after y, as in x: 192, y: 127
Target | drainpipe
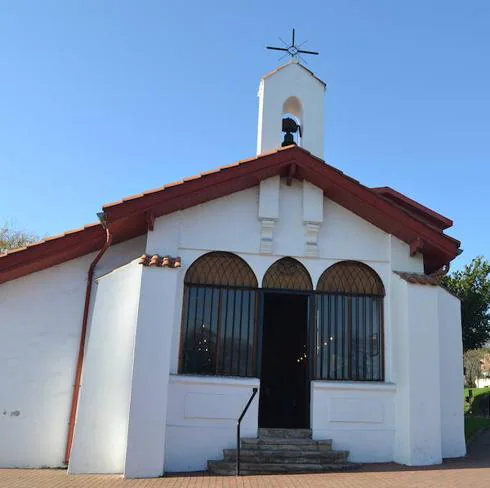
x: 81, y: 348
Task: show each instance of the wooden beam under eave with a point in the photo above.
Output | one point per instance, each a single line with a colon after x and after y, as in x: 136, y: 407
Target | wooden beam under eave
x: 291, y: 174
x: 416, y: 246
x: 150, y: 220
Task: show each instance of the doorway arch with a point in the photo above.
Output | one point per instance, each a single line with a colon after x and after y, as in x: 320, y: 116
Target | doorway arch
x: 287, y: 274
x: 287, y: 294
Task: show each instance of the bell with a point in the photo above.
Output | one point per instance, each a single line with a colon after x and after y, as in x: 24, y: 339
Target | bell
x: 289, y: 125
x: 288, y: 140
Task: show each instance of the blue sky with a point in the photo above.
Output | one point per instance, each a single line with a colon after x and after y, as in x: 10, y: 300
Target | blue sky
x: 101, y: 99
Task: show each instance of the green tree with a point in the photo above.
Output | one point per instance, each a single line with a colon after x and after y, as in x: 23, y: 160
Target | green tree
x: 472, y: 286
x: 11, y: 238
x: 472, y: 366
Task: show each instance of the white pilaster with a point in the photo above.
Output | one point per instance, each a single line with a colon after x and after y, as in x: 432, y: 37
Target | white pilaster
x: 416, y: 355
x: 311, y: 236
x: 267, y: 236
x: 451, y: 375
x: 269, y: 194
x: 149, y: 389
x: 312, y: 216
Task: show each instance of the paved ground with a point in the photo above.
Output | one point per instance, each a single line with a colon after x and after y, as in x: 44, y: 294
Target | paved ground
x: 473, y: 471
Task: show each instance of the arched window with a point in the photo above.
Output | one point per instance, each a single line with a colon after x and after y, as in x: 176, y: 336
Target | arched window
x: 288, y: 274
x: 219, y: 317
x: 349, y: 338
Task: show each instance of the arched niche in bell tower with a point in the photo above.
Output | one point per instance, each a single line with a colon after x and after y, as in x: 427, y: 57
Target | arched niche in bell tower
x: 292, y: 108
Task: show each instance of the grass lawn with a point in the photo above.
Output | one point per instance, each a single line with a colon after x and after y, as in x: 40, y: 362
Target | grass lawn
x: 473, y: 421
x: 476, y: 392
x: 474, y: 424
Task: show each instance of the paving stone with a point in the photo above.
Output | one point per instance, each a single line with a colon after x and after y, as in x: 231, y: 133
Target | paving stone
x: 461, y: 473
x: 472, y: 471
x: 246, y: 468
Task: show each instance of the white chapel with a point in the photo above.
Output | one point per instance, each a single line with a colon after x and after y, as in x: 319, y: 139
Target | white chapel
x: 133, y: 345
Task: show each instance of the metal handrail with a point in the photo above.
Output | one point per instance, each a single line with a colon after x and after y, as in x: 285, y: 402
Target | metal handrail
x: 254, y: 392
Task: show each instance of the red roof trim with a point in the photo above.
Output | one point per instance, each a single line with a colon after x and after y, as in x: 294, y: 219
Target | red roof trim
x: 129, y: 217
x: 418, y: 210
x: 50, y: 252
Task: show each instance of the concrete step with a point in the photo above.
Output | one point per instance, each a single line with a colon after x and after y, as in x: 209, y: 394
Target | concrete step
x: 262, y: 456
x: 285, y: 433
x: 283, y: 451
x: 229, y: 468
x: 286, y: 444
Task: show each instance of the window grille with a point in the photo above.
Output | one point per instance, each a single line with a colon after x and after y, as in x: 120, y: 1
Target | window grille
x: 287, y: 274
x: 220, y: 268
x: 349, y: 332
x: 350, y: 277
x: 219, y: 334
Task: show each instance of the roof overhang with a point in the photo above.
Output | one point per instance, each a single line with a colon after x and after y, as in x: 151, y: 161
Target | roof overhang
x: 133, y: 216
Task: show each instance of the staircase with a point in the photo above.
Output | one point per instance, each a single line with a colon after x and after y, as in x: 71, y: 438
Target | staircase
x: 282, y: 451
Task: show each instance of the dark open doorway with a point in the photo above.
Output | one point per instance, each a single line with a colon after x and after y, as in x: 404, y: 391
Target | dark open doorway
x: 284, y: 393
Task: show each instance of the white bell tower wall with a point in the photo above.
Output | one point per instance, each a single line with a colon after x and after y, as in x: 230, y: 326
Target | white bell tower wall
x: 291, y: 90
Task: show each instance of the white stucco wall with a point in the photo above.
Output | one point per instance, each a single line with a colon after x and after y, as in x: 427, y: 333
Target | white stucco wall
x: 40, y: 319
x: 40, y: 323
x: 358, y: 417
x: 201, y: 419
x: 99, y: 444
x: 231, y: 223
x: 451, y: 375
x: 400, y: 257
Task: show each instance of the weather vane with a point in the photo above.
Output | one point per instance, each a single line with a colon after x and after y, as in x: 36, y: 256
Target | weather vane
x: 292, y: 49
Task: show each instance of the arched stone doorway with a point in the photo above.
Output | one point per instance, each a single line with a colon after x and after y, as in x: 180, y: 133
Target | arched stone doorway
x: 287, y: 294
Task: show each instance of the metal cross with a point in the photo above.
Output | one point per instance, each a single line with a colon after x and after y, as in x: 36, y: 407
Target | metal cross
x: 292, y: 50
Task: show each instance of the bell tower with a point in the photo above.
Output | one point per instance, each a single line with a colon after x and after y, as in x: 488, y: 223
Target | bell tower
x: 291, y: 109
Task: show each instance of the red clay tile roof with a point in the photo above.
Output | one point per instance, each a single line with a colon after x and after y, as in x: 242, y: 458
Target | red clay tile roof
x: 418, y: 278
x: 129, y: 217
x: 160, y: 261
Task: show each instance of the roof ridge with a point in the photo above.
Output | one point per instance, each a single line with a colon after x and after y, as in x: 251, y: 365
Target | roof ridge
x: 289, y: 63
